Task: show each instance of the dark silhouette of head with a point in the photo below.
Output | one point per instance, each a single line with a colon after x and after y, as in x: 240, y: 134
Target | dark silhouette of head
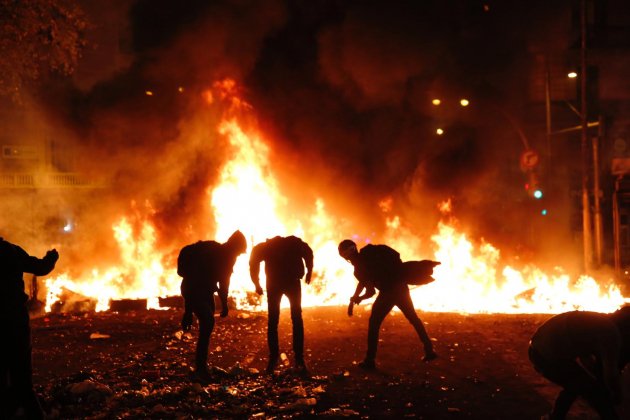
x: 237, y: 242
x: 347, y: 249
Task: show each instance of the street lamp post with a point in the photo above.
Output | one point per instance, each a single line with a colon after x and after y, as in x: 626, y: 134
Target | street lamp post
x: 586, y: 214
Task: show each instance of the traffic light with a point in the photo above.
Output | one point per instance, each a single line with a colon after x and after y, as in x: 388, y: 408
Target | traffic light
x: 533, y: 187
x: 535, y: 191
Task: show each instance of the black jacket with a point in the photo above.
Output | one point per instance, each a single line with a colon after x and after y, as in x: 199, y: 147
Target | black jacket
x: 285, y: 259
x: 14, y: 262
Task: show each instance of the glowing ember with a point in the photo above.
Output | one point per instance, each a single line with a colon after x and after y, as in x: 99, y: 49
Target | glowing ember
x: 470, y: 279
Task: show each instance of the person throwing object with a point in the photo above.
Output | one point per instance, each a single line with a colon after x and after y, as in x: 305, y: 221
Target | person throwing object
x: 16, y: 365
x: 380, y: 267
x: 206, y: 267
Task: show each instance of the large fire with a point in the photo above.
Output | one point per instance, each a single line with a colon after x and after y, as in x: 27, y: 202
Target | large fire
x: 470, y: 278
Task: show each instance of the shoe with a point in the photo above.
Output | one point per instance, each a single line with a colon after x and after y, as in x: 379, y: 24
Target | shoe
x: 301, y: 369
x: 429, y: 355
x: 203, y: 374
x: 367, y: 364
x: 271, y: 366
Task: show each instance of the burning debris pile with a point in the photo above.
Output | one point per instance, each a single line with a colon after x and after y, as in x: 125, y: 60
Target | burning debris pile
x: 472, y: 277
x: 208, y: 128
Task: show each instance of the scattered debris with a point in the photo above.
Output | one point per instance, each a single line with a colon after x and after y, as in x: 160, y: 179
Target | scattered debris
x: 141, y: 368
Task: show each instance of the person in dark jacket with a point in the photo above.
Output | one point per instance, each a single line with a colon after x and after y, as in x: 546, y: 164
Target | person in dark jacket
x: 285, y: 259
x: 583, y: 352
x: 380, y: 267
x: 206, y: 267
x: 16, y: 370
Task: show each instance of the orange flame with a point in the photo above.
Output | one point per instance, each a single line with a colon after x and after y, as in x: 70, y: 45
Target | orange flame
x: 470, y: 278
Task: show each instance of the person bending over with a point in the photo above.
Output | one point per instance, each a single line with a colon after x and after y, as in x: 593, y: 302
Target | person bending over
x: 380, y: 267
x: 285, y: 259
x: 583, y: 352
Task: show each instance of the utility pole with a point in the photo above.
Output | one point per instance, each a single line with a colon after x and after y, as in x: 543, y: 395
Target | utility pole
x: 586, y: 212
x: 548, y: 107
x: 599, y: 230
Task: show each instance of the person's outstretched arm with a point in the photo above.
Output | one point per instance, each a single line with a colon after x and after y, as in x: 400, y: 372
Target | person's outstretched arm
x: 357, y: 297
x: 357, y: 292
x: 254, y: 268
x: 611, y: 374
x: 223, y: 290
x: 187, y: 318
x: 307, y: 255
x: 38, y: 266
x: 369, y: 292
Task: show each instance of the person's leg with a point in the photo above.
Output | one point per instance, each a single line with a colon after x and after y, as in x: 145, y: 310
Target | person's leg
x: 551, y: 371
x: 575, y: 382
x: 274, y: 297
x: 380, y: 308
x: 562, y: 404
x: 20, y: 370
x: 203, y: 308
x: 294, y: 293
x: 6, y: 410
x: 598, y: 398
x: 405, y: 304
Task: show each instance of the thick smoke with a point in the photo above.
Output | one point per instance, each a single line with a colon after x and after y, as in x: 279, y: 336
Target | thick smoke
x: 342, y: 90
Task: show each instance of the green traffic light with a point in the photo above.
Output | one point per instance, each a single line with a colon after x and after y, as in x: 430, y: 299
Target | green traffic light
x: 538, y: 194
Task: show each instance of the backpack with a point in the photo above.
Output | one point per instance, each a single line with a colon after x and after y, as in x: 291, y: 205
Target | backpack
x: 198, y: 259
x: 283, y: 257
x: 379, y: 265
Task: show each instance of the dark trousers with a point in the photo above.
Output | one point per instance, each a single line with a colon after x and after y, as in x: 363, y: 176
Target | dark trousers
x: 385, y: 301
x: 203, y: 308
x: 575, y: 382
x: 293, y: 291
x: 16, y: 371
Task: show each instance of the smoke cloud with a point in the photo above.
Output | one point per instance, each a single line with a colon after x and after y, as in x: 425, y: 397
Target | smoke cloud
x: 342, y: 91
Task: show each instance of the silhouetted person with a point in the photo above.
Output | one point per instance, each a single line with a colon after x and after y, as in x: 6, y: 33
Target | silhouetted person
x: 206, y: 267
x: 285, y: 259
x: 17, y: 371
x: 584, y: 353
x: 380, y: 267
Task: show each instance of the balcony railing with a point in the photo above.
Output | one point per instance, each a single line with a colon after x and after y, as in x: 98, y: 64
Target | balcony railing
x: 48, y: 180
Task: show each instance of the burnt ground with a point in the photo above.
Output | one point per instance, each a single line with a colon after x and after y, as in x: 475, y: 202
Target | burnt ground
x: 136, y: 365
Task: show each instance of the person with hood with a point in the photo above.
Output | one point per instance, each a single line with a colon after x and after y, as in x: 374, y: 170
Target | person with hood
x: 380, y: 267
x: 285, y: 259
x: 16, y: 357
x: 206, y: 267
